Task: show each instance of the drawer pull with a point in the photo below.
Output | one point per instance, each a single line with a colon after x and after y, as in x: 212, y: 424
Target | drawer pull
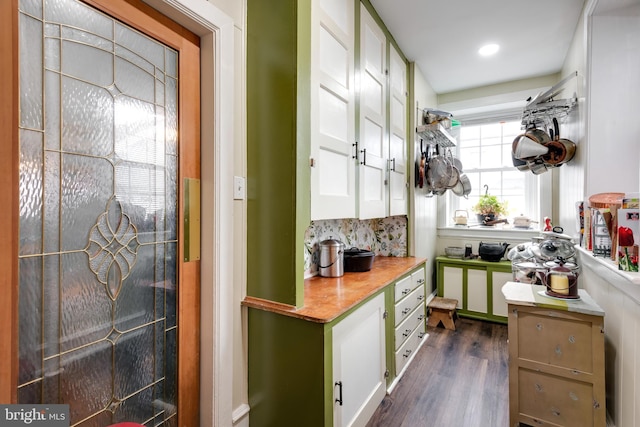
x: 421, y: 317
x: 422, y: 335
x: 539, y: 326
x: 420, y: 297
x: 572, y: 339
x: 555, y: 411
x: 406, y: 333
x: 573, y: 396
x: 407, y: 353
x: 406, y: 310
x: 420, y: 281
x: 405, y: 291
x: 559, y: 350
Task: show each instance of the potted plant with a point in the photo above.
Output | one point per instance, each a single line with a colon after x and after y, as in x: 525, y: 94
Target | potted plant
x: 489, y: 208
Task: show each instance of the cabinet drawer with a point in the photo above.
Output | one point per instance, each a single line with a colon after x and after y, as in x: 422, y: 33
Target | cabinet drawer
x: 408, y: 325
x: 555, y: 341
x: 417, y: 278
x: 406, y: 306
x: 555, y: 400
x: 409, y: 347
x: 403, y: 288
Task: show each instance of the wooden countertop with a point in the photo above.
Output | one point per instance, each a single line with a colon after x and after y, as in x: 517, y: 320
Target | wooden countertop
x: 326, y: 298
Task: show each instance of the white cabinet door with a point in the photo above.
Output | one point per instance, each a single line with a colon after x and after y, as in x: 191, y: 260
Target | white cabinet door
x: 359, y: 364
x: 453, y: 284
x: 477, y: 290
x: 499, y: 302
x: 373, y: 142
x: 398, y: 177
x: 332, y: 112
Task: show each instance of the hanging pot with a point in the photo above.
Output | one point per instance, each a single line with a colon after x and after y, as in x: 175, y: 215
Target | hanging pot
x: 561, y: 150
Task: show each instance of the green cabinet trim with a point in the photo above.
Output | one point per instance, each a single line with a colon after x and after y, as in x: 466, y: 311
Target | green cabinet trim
x: 290, y: 363
x: 477, y: 265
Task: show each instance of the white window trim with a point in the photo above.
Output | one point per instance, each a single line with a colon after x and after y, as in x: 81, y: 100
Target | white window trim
x: 541, y: 202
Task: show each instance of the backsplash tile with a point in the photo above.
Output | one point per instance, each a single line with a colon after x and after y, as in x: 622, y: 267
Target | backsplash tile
x: 382, y: 236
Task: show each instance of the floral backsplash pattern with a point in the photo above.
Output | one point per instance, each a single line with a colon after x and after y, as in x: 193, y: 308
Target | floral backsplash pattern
x: 382, y: 236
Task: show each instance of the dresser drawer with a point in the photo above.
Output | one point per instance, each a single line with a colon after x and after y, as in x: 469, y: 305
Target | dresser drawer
x: 409, y: 347
x: 555, y: 400
x: 406, y: 306
x: 403, y: 288
x: 555, y: 341
x: 404, y: 330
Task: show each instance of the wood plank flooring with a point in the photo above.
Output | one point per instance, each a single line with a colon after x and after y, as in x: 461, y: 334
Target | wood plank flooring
x: 458, y: 379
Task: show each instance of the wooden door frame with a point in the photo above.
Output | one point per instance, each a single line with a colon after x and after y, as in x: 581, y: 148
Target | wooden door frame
x: 216, y: 30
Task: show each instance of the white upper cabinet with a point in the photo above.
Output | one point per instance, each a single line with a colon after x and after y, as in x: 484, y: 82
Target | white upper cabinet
x: 397, y: 134
x: 365, y: 175
x: 373, y: 145
x: 333, y: 171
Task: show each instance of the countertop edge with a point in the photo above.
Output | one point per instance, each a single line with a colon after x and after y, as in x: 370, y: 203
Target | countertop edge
x: 309, y: 312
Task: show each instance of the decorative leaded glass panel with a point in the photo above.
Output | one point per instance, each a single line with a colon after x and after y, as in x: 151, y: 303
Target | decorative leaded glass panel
x: 98, y: 216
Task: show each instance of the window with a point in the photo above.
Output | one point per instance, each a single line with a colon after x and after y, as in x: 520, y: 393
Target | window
x: 485, y: 152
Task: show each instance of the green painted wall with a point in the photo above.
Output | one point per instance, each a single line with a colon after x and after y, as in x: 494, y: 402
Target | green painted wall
x: 278, y: 200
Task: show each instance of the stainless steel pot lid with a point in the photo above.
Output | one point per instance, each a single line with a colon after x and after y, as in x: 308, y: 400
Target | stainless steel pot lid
x: 332, y: 243
x: 557, y: 248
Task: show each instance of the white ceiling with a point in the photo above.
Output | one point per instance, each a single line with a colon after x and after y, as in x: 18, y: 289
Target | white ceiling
x: 443, y: 37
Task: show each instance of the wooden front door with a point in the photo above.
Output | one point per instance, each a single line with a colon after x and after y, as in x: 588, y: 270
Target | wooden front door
x: 103, y: 131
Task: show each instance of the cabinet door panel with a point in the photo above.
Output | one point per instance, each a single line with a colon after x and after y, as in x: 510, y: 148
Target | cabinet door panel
x: 359, y: 363
x: 373, y: 130
x: 398, y: 135
x: 498, y: 280
x: 477, y: 290
x: 332, y: 118
x: 453, y: 284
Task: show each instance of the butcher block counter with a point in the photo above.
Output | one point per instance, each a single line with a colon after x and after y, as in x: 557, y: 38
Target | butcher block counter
x: 326, y: 298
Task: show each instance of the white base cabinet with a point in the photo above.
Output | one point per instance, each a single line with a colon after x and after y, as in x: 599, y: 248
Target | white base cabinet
x: 409, y: 316
x: 476, y: 285
x: 359, y: 364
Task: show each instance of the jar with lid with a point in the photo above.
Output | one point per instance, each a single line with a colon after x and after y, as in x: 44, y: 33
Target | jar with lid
x: 561, y: 279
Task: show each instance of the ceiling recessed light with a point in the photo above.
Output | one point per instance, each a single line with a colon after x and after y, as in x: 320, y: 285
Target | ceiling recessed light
x: 488, y: 49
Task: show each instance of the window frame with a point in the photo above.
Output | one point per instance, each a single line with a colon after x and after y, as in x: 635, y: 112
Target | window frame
x: 539, y: 199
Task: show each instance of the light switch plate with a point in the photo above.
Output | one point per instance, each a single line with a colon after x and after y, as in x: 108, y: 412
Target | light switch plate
x: 238, y: 188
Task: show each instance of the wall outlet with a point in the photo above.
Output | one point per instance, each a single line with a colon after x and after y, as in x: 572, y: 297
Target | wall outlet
x: 239, y: 192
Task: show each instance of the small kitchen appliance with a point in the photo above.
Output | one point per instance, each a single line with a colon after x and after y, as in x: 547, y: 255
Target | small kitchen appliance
x: 331, y: 258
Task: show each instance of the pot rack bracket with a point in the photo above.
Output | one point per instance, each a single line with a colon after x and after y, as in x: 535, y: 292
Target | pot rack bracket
x: 544, y: 107
x: 434, y: 128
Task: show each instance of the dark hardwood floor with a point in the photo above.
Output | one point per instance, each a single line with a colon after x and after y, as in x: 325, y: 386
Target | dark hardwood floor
x: 457, y: 379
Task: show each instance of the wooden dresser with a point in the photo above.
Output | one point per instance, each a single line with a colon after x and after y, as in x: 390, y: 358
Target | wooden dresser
x: 556, y: 359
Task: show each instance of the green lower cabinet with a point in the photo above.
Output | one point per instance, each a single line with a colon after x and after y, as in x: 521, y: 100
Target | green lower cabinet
x: 306, y: 373
x: 303, y: 373
x: 476, y: 284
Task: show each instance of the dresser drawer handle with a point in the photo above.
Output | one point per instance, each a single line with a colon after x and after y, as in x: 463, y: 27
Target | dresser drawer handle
x: 406, y: 333
x: 407, y: 353
x: 406, y: 310
x: 405, y: 291
x: 420, y: 297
